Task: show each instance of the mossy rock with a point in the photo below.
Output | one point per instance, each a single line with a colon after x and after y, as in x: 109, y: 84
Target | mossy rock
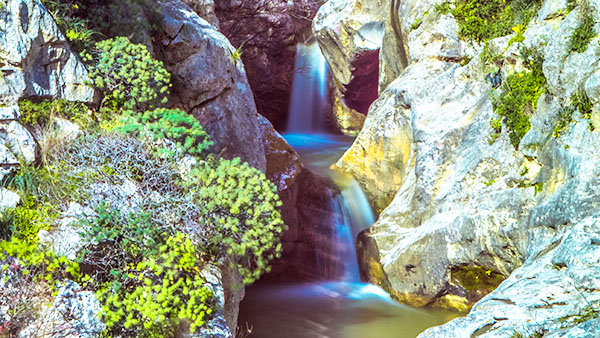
x: 476, y: 278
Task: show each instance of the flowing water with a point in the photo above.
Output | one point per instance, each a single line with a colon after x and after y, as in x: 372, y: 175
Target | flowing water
x: 345, y: 308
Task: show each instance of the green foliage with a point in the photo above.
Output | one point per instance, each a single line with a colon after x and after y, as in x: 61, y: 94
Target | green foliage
x: 241, y: 205
x: 584, y: 33
x: 168, y: 124
x: 482, y: 20
x: 128, y: 76
x: 135, y: 234
x: 520, y: 93
x: 40, y: 113
x: 36, y: 262
x: 168, y: 288
x: 565, y: 118
x: 237, y: 54
x: 539, y: 187
x: 85, y: 22
x: 581, y: 102
x: 29, y: 218
x: 416, y: 24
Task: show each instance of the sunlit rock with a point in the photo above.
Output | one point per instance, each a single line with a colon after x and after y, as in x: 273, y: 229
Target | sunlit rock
x: 35, y: 58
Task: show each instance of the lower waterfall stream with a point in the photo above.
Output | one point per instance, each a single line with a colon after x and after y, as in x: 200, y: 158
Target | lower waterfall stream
x: 344, y: 308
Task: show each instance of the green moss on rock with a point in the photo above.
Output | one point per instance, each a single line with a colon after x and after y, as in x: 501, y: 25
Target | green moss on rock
x: 475, y: 278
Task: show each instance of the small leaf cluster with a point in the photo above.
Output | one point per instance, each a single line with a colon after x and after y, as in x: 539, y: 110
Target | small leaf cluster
x: 133, y: 234
x: 519, y: 96
x: 128, y: 76
x: 482, y: 20
x: 171, y: 124
x: 168, y: 289
x: 241, y: 205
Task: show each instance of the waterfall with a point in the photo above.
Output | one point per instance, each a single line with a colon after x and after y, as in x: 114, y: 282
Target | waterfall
x: 342, y: 308
x: 309, y: 100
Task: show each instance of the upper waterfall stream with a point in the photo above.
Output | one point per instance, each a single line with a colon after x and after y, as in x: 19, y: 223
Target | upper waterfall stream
x: 344, y: 308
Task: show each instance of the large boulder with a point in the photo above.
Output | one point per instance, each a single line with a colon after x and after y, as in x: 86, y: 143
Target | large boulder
x: 350, y: 34
x: 35, y: 58
x: 472, y: 210
x: 554, y: 294
x: 209, y: 82
x: 267, y: 33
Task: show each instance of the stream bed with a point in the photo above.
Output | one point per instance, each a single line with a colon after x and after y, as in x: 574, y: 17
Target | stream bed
x: 344, y: 308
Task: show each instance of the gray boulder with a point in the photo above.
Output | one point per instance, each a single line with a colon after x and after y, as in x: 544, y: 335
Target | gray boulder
x: 209, y: 83
x: 35, y: 58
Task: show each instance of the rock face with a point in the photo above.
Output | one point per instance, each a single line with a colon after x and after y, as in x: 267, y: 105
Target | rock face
x: 267, y: 33
x: 306, y: 210
x: 35, y: 58
x: 461, y: 213
x: 205, y: 9
x: 210, y: 83
x: 362, y: 41
x: 35, y: 61
x: 554, y: 294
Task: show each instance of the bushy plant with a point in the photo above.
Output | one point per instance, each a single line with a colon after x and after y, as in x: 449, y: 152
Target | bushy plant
x: 482, y: 20
x: 584, y: 33
x: 168, y: 289
x: 134, y: 234
x: 128, y: 76
x: 40, y: 113
x: 28, y: 274
x: 168, y: 124
x: 520, y: 93
x: 240, y: 204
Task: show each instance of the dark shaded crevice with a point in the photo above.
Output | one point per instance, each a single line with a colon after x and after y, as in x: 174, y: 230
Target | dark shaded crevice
x: 362, y: 90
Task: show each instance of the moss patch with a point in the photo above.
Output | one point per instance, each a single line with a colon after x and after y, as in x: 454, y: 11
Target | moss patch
x: 519, y: 96
x: 482, y: 20
x: 584, y: 33
x: 474, y: 278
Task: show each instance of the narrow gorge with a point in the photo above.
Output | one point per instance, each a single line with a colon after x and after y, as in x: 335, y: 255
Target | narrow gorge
x: 300, y: 169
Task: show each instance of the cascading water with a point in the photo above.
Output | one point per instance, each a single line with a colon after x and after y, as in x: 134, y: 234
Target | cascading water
x: 344, y: 308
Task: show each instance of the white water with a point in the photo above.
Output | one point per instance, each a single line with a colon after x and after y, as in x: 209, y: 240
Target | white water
x: 308, y: 103
x: 343, y: 308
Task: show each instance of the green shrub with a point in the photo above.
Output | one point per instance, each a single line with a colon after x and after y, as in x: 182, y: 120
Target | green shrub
x: 128, y: 76
x: 584, y: 33
x: 240, y: 205
x: 168, y: 124
x: 519, y: 96
x: 40, y: 113
x: 168, y: 288
x: 38, y: 263
x: 134, y: 234
x: 565, y: 118
x: 482, y: 20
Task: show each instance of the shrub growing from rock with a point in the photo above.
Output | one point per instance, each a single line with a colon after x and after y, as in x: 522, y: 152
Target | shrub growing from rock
x: 128, y: 76
x: 519, y: 95
x: 481, y: 21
